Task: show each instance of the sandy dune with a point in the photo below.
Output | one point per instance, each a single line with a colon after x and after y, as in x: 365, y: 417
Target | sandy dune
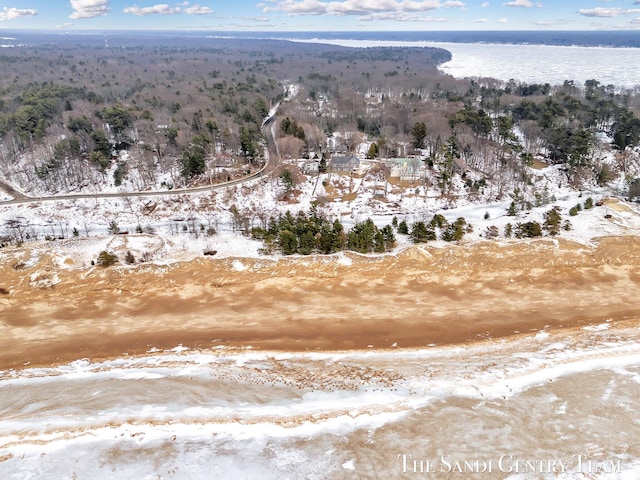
x: 424, y: 295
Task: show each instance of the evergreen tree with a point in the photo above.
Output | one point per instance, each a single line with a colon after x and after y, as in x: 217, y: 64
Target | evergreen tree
x: 528, y: 230
x: 307, y: 243
x: 379, y: 244
x: 361, y: 237
x: 508, y: 230
x: 288, y: 242
x: 454, y: 231
x: 389, y: 237
x: 419, y: 133
x: 421, y: 233
x: 553, y: 221
x: 106, y: 259
x: 113, y: 228
x: 193, y: 163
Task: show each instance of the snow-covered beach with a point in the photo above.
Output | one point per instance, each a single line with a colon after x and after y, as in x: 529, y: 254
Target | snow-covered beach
x: 245, y: 364
x: 537, y: 405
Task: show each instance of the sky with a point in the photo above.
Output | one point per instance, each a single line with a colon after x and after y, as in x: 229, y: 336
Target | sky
x: 320, y: 15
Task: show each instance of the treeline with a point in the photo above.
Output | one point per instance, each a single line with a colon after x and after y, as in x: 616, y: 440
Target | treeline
x: 438, y: 227
x: 307, y: 233
x: 65, y: 118
x: 65, y: 114
x: 32, y: 109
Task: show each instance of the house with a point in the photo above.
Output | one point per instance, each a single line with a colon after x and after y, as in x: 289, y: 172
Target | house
x: 311, y: 167
x: 406, y: 169
x: 344, y: 163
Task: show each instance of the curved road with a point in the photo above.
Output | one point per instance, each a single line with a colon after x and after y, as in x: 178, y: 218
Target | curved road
x: 271, y: 162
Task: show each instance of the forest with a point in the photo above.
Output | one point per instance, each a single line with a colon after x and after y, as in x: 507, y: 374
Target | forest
x: 68, y: 113
x: 137, y: 117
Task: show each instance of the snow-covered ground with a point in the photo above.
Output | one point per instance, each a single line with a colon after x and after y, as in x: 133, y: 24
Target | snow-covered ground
x: 181, y: 226
x: 228, y: 414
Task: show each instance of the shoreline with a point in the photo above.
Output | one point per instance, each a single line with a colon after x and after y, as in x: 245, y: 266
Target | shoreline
x: 421, y: 296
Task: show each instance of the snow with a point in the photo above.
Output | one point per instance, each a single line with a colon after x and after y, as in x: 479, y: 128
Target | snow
x: 238, y: 266
x: 280, y: 411
x: 349, y: 465
x: 525, y: 63
x: 176, y: 227
x: 181, y: 225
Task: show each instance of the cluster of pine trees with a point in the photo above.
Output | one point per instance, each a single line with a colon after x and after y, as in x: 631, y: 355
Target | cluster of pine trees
x: 422, y: 232
x: 307, y: 233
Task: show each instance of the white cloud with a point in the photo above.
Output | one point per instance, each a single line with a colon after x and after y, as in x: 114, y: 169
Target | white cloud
x: 606, y: 12
x: 600, y: 12
x: 256, y: 19
x: 481, y: 20
x: 198, y: 10
x: 485, y: 5
x: 367, y: 9
x: 11, y: 13
x: 164, y: 9
x: 502, y: 20
x: 160, y: 9
x: 89, y: 8
x: 519, y: 3
x: 400, y: 17
x: 396, y: 16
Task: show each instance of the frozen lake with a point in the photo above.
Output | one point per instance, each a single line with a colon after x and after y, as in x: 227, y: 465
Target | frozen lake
x: 544, y: 63
x: 527, y: 63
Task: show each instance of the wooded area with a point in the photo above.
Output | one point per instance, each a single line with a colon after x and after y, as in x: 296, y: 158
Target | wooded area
x: 185, y: 114
x: 180, y: 113
x: 89, y: 118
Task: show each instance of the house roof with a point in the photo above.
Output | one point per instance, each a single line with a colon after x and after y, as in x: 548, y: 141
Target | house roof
x: 410, y: 162
x: 344, y: 159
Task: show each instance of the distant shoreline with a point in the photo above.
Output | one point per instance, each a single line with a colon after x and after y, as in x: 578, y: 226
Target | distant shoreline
x: 566, y: 38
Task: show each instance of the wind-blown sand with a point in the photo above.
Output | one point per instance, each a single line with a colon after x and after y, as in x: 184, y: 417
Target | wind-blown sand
x: 421, y: 296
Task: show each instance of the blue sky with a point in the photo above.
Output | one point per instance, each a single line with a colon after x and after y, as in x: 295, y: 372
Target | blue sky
x: 310, y: 15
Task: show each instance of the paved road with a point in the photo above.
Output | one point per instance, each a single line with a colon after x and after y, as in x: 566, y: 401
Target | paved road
x: 270, y: 164
x: 150, y: 193
x: 12, y: 191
